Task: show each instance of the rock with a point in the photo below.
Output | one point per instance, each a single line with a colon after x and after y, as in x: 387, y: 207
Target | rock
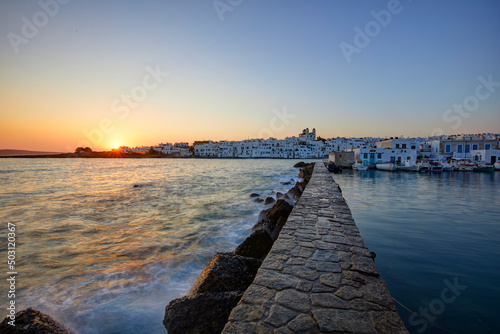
x: 306, y: 171
x: 31, y: 321
x: 300, y: 164
x: 258, y: 200
x: 226, y: 272
x: 294, y: 193
x: 302, y: 185
x: 287, y: 183
x: 257, y: 245
x: 254, y: 195
x: 200, y: 313
x: 274, y: 219
x: 269, y: 200
x: 279, y: 195
x: 289, y: 200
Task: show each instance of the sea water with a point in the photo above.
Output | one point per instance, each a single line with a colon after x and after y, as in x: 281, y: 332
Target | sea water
x: 103, y: 245
x: 437, y: 240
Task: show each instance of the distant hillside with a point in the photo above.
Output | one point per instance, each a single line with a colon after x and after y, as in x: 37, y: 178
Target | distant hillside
x: 6, y: 153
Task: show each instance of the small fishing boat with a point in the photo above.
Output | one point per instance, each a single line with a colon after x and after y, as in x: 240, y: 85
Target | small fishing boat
x: 463, y: 165
x: 447, y: 167
x: 484, y: 168
x: 359, y: 166
x: 436, y: 169
x: 409, y: 167
x: 424, y: 166
x: 333, y: 168
x: 388, y: 166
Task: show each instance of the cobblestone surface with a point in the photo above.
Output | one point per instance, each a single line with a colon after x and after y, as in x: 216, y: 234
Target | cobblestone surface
x: 319, y: 276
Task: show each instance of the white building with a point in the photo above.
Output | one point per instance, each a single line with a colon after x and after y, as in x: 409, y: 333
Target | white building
x: 372, y: 156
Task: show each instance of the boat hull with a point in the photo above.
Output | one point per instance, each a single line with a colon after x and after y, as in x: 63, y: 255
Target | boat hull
x: 387, y: 166
x: 484, y: 169
x: 414, y: 168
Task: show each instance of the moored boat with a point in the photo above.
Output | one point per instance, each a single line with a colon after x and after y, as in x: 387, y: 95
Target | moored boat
x: 436, y: 169
x: 387, y: 166
x: 447, y: 167
x: 484, y: 168
x: 463, y: 165
x: 409, y: 167
x: 358, y: 166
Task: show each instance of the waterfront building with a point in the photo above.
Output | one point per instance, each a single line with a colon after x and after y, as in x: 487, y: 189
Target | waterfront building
x: 372, y: 156
x: 403, y: 143
x: 461, y: 146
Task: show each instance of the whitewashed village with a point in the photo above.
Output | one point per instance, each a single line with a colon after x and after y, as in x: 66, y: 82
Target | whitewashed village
x: 465, y: 152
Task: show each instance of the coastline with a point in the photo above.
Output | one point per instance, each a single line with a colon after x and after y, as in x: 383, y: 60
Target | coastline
x: 113, y: 155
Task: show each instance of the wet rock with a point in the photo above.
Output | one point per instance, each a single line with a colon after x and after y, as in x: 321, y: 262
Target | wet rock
x: 279, y: 195
x: 254, y: 195
x: 294, y: 193
x: 257, y: 245
x: 213, y: 295
x: 287, y: 183
x: 306, y: 171
x: 200, y: 313
x: 274, y: 219
x: 269, y: 200
x: 226, y: 272
x: 300, y: 164
x: 31, y: 321
x: 258, y: 200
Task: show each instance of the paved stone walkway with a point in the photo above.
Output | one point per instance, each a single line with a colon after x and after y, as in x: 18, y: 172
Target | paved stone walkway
x: 319, y: 276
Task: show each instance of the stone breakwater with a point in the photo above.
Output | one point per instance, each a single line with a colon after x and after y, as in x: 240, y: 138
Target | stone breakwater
x: 319, y: 276
x: 222, y: 283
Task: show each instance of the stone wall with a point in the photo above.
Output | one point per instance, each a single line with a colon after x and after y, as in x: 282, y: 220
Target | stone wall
x: 342, y: 159
x: 319, y: 276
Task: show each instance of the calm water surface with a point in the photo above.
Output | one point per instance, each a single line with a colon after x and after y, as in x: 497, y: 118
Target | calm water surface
x: 430, y: 232
x: 103, y: 245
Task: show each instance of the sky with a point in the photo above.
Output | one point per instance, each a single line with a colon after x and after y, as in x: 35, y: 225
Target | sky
x: 109, y: 73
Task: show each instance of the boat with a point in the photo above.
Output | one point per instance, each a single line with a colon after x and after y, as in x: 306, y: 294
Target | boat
x: 424, y: 166
x: 359, y: 166
x: 463, y: 165
x: 436, y: 169
x: 484, y: 168
x: 333, y: 168
x: 447, y: 167
x: 409, y: 167
x: 497, y: 165
x: 389, y: 166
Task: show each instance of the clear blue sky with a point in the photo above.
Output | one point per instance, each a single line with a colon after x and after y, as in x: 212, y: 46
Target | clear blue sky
x: 63, y: 84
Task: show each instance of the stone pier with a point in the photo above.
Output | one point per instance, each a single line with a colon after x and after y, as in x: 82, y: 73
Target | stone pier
x: 319, y: 276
